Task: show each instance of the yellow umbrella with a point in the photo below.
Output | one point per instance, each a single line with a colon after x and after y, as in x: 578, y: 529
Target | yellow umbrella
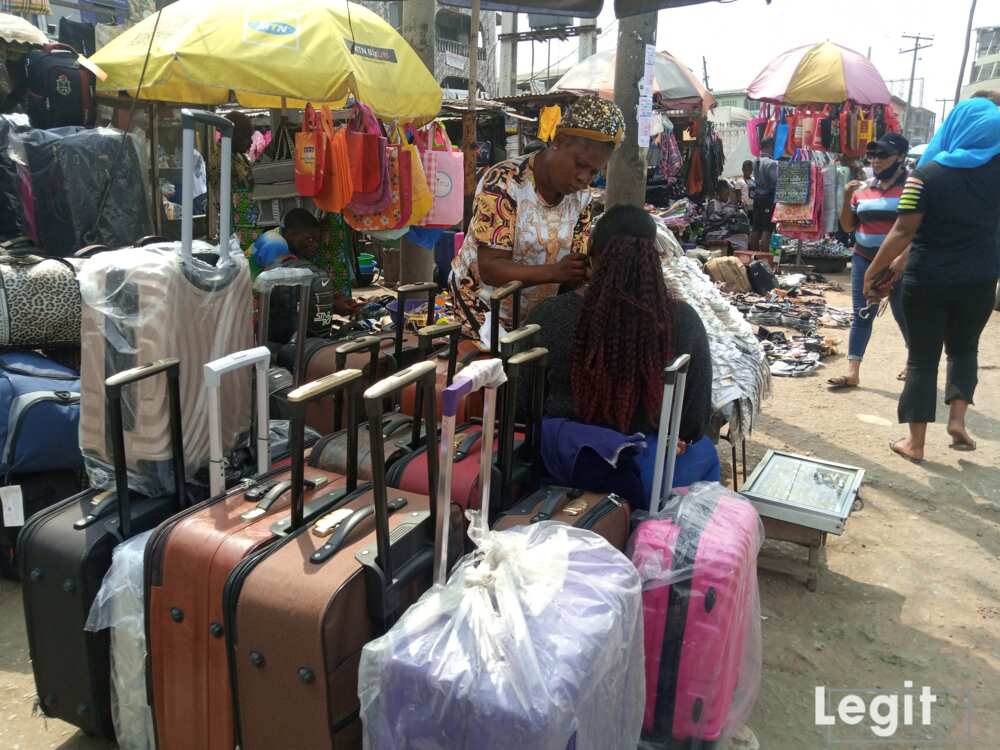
x: 265, y: 50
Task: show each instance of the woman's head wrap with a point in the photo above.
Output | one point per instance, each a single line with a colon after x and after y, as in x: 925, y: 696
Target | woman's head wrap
x: 969, y: 137
x: 595, y: 119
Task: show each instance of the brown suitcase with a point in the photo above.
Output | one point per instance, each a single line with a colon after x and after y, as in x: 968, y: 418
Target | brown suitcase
x: 299, y: 613
x: 604, y: 514
x: 187, y: 562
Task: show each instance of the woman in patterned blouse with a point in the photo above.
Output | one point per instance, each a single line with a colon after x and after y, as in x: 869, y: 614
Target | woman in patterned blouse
x: 532, y: 215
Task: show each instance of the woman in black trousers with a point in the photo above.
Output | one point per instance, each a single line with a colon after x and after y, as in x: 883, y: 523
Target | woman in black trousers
x: 944, y: 248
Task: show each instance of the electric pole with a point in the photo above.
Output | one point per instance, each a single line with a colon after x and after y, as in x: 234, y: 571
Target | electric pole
x: 917, y: 47
x: 704, y: 72
x: 627, y: 169
x: 965, y: 52
x: 943, y: 103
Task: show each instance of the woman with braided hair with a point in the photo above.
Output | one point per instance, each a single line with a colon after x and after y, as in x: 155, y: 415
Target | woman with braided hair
x: 608, y: 343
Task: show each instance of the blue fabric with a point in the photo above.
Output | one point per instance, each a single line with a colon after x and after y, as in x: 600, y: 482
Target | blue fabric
x: 969, y: 136
x: 426, y: 238
x: 699, y: 463
x: 269, y: 248
x: 861, y: 328
x: 780, y: 141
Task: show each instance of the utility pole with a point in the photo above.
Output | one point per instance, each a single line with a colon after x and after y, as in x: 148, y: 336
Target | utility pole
x: 588, y: 39
x: 416, y: 263
x: 627, y: 170
x: 704, y: 72
x: 469, y: 118
x: 508, y: 56
x: 965, y: 52
x: 943, y: 103
x: 917, y: 47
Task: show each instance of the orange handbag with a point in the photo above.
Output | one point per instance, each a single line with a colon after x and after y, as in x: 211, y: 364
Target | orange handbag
x: 338, y: 186
x: 391, y: 216
x: 366, y: 146
x: 310, y: 154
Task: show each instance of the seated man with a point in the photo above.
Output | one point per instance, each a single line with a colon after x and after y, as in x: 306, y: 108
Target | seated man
x: 294, y: 245
x: 725, y: 220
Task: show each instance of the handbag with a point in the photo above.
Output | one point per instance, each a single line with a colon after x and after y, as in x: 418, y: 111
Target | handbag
x: 780, y: 139
x: 366, y: 146
x: 445, y: 169
x: 310, y: 154
x: 866, y: 132
x: 338, y: 185
x: 420, y: 193
x: 40, y: 299
x: 755, y: 129
x: 389, y: 217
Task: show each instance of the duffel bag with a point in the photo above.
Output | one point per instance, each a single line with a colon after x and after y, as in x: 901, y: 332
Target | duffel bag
x: 39, y: 414
x: 39, y: 299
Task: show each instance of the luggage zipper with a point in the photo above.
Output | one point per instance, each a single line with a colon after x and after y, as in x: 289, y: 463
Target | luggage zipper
x: 606, y: 507
x: 20, y: 406
x: 14, y: 370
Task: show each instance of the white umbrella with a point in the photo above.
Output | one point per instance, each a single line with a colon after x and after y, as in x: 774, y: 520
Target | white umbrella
x: 16, y: 30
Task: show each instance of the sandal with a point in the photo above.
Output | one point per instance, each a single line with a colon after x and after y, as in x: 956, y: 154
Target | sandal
x: 902, y: 376
x: 840, y: 384
x: 894, y: 447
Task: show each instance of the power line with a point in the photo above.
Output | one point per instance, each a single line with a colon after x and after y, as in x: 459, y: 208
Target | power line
x: 533, y: 77
x: 917, y: 47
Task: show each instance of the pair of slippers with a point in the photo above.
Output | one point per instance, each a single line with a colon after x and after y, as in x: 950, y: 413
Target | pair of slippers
x: 842, y: 383
x: 964, y: 446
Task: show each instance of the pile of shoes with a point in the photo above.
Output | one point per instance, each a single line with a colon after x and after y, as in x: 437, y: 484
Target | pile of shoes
x: 796, y: 356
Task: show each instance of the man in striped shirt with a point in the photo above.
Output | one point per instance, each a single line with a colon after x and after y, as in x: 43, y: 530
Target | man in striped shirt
x: 870, y: 211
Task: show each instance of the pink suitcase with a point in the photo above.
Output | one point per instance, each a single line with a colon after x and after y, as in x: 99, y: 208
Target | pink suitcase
x: 698, y: 564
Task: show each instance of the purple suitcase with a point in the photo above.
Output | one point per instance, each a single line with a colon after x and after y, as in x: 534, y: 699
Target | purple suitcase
x: 533, y: 642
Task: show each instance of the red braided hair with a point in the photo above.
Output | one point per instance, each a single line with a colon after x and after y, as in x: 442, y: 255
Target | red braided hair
x: 622, y: 340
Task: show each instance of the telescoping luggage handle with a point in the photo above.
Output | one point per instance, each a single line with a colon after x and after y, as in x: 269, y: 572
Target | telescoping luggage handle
x: 371, y: 344
x: 674, y: 380
x: 259, y: 357
x: 487, y: 374
x: 404, y: 293
x: 383, y: 599
x: 298, y: 400
x: 188, y: 118
x: 266, y: 283
x: 113, y: 395
x: 535, y: 360
x: 497, y: 296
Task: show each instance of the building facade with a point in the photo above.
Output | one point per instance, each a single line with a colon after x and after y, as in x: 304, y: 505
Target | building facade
x: 921, y: 125
x: 985, y: 73
x: 736, y: 98
x: 451, y: 56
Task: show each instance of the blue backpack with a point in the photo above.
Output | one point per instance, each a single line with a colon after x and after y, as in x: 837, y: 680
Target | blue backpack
x: 39, y: 415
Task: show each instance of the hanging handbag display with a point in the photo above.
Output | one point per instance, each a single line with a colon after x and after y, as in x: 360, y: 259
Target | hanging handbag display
x: 366, y: 146
x: 338, y: 184
x: 444, y: 167
x: 421, y: 198
x: 310, y: 154
x: 390, y: 216
x: 866, y: 132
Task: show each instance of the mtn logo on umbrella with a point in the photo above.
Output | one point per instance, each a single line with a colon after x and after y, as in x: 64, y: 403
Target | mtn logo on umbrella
x: 272, y: 27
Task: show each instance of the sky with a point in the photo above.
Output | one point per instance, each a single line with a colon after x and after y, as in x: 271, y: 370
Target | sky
x: 739, y: 38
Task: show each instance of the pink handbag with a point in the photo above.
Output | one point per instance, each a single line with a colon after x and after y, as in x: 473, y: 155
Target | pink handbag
x: 444, y: 167
x: 379, y: 199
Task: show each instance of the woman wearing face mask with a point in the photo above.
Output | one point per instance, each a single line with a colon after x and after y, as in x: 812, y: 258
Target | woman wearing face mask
x: 532, y: 214
x: 870, y: 211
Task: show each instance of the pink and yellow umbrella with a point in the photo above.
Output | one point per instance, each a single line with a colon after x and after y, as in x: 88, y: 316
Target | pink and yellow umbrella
x: 823, y: 73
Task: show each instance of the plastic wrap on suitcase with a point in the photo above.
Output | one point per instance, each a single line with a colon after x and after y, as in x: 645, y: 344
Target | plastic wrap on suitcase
x: 697, y: 561
x: 503, y: 656
x: 11, y: 211
x: 118, y: 606
x: 145, y: 302
x: 64, y: 172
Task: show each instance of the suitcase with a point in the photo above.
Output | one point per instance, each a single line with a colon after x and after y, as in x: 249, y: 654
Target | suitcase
x: 470, y: 351
x: 698, y: 562
x: 479, y: 664
x: 65, y: 551
x: 605, y: 514
x: 298, y: 614
x: 162, y: 300
x: 410, y: 472
x: 761, y: 279
x: 187, y: 562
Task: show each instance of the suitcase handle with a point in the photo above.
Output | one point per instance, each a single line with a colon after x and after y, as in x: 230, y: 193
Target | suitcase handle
x: 113, y: 397
x: 423, y: 374
x: 404, y: 293
x: 489, y: 375
x: 497, y: 296
x: 371, y: 344
x: 535, y: 360
x: 266, y: 283
x: 674, y: 381
x: 188, y: 118
x: 298, y: 400
x: 513, y: 342
x: 259, y: 357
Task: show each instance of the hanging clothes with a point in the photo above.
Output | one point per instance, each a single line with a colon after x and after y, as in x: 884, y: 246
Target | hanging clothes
x: 548, y: 121
x: 671, y: 162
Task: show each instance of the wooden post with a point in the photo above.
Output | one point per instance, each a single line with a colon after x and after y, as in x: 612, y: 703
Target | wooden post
x: 469, y: 119
x: 627, y: 170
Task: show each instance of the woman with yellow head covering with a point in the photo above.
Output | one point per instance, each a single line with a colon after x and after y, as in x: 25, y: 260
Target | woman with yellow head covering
x: 532, y: 214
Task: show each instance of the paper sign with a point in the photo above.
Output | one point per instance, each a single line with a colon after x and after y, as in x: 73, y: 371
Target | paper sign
x: 649, y: 67
x: 13, y: 505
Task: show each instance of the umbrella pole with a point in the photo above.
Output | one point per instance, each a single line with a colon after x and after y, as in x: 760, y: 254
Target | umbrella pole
x: 469, y: 119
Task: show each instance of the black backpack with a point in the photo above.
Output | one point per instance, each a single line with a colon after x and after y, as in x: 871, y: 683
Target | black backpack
x: 60, y: 91
x: 284, y: 302
x: 762, y: 281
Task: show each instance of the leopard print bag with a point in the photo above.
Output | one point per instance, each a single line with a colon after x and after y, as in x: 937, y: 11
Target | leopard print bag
x: 39, y: 301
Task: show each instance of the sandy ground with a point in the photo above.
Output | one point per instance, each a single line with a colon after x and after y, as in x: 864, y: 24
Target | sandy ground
x: 909, y: 592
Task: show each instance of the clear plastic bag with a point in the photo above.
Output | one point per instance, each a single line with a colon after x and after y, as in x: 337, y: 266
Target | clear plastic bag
x: 534, y: 642
x: 65, y: 173
x: 142, y: 304
x: 119, y: 606
x: 698, y: 559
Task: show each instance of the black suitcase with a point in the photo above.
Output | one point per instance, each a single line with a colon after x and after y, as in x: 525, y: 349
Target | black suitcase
x: 762, y: 281
x: 64, y: 553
